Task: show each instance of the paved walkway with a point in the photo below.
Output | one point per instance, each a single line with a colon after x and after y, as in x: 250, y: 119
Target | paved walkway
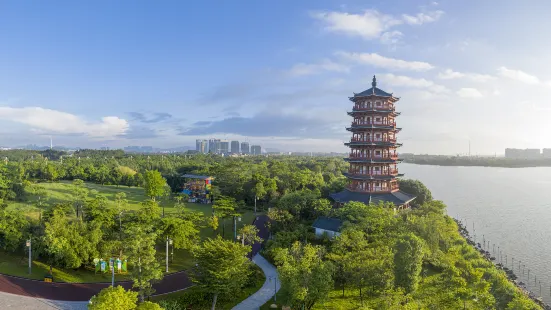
x: 17, y: 302
x: 81, y: 291
x: 271, y: 285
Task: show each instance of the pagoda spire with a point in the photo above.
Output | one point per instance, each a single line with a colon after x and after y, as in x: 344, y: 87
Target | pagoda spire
x: 374, y: 83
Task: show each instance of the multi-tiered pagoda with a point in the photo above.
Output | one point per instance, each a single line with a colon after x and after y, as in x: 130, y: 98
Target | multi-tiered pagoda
x: 373, y: 159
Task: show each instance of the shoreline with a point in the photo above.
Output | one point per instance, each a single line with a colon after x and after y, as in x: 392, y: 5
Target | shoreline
x: 511, y: 276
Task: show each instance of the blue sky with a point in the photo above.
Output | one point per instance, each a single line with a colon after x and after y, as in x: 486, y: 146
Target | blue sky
x: 278, y: 73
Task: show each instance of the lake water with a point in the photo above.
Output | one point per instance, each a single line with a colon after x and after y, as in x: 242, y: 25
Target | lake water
x: 510, y: 207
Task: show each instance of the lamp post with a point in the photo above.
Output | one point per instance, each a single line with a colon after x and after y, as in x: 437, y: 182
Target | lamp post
x: 255, y: 205
x: 168, y: 241
x: 235, y: 219
x: 112, y: 261
x: 29, y: 245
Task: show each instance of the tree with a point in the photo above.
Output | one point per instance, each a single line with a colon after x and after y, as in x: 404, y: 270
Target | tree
x: 121, y: 203
x: 71, y: 244
x: 305, y: 276
x: 223, y: 208
x: 40, y: 193
x: 13, y: 225
x: 222, y: 267
x: 140, y: 249
x: 408, y: 259
x: 154, y: 184
x: 114, y: 298
x: 184, y: 233
x: 249, y: 233
x: 148, y: 305
x: 80, y: 194
x: 418, y: 189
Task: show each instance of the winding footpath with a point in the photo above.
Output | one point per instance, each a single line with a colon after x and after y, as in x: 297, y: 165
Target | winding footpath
x: 271, y: 285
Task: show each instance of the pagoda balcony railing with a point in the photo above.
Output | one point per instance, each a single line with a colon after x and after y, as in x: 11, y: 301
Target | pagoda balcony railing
x: 374, y: 123
x: 354, y: 156
x: 375, y: 173
x: 384, y: 107
x: 373, y: 140
x: 374, y: 189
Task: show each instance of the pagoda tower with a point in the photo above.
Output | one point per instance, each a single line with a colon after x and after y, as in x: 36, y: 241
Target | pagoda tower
x: 373, y: 159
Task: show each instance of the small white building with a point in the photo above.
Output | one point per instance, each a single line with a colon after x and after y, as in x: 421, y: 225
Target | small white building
x: 326, y: 225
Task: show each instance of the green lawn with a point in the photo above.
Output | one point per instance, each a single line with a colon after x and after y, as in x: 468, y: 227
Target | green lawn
x: 61, y: 192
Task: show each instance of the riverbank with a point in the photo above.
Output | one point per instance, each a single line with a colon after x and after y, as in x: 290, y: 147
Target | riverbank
x: 509, y: 272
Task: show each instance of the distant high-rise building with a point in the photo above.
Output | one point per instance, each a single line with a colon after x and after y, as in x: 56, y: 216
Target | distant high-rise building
x: 546, y: 153
x: 201, y: 146
x: 212, y: 146
x: 256, y: 150
x: 198, y: 144
x: 235, y: 147
x: 523, y: 154
x: 224, y: 146
x: 245, y: 147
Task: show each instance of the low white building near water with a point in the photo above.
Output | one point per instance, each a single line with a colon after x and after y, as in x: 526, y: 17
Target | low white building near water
x: 326, y: 225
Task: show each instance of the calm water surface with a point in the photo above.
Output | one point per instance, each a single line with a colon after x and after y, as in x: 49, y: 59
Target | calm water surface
x: 510, y: 207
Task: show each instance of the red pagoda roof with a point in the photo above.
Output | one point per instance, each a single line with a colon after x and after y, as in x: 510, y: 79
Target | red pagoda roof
x: 373, y: 91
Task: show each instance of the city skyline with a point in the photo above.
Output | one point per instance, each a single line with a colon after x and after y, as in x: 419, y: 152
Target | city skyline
x: 279, y: 79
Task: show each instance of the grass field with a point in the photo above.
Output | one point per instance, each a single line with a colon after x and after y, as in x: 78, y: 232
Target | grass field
x: 17, y: 265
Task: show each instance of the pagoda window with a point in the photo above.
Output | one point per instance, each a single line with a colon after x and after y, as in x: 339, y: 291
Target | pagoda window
x: 378, y: 153
x: 378, y: 135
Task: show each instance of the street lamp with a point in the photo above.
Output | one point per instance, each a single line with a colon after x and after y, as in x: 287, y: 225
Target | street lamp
x: 168, y: 241
x: 29, y: 245
x: 235, y: 219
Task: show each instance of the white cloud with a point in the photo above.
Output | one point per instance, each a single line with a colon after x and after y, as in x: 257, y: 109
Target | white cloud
x: 422, y: 18
x: 469, y: 93
x: 449, y: 74
x: 518, y: 75
x: 368, y: 25
x: 307, y: 69
x: 391, y: 37
x: 385, y: 62
x: 52, y: 121
x: 406, y: 81
x: 372, y: 24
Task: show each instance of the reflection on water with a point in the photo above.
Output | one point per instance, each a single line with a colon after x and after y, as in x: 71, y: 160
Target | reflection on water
x: 509, y: 207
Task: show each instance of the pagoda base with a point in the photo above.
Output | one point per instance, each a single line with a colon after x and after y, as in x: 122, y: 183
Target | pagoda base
x: 398, y: 198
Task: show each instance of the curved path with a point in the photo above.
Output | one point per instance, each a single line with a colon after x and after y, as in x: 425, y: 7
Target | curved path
x: 271, y: 285
x: 82, y: 291
x: 268, y: 289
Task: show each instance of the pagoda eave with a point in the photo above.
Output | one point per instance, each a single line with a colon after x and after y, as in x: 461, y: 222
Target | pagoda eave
x: 382, y: 112
x: 398, y: 198
x: 386, y: 144
x: 364, y: 127
x: 372, y: 177
x: 373, y: 161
